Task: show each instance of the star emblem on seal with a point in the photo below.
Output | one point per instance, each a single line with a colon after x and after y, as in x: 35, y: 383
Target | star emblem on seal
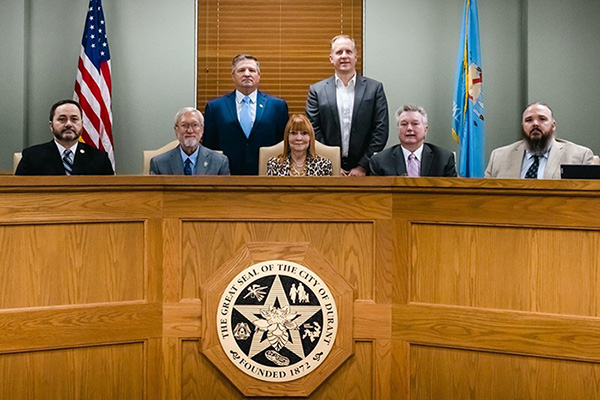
x: 277, y: 320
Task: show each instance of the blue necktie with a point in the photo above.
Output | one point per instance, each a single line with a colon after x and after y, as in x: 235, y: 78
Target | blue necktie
x: 67, y: 163
x: 246, y: 116
x: 187, y: 167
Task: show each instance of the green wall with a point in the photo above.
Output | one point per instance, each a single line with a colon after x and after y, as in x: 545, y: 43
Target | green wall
x: 532, y: 50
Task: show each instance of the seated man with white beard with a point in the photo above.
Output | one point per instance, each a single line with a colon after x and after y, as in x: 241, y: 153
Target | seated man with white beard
x: 539, y: 155
x: 189, y: 158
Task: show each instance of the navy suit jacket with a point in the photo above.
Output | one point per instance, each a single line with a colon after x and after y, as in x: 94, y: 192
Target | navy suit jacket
x: 170, y: 163
x: 45, y: 159
x: 222, y: 130
x: 370, y: 120
x: 435, y: 162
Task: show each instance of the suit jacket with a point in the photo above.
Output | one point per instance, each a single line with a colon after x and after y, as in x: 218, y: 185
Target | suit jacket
x: 506, y: 162
x: 370, y: 121
x: 222, y: 130
x: 435, y: 161
x: 208, y: 163
x: 45, y: 159
x: 315, y: 166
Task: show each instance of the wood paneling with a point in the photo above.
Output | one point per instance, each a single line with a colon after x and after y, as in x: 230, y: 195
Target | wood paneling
x: 524, y: 269
x: 438, y: 373
x: 59, y: 264
x: 461, y: 288
x: 200, y: 379
x: 103, y: 372
x: 345, y: 245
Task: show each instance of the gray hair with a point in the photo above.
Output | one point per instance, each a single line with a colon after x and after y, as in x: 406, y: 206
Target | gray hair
x: 242, y: 57
x: 410, y: 107
x: 187, y: 110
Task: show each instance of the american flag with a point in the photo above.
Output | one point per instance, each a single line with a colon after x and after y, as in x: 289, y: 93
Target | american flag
x: 93, y: 84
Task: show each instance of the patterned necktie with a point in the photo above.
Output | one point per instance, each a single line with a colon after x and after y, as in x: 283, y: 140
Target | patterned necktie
x: 532, y: 172
x: 187, y: 167
x: 413, y: 165
x: 67, y: 163
x: 246, y: 116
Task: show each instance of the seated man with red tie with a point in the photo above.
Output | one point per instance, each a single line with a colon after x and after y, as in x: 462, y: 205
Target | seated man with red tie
x: 65, y: 155
x: 413, y: 157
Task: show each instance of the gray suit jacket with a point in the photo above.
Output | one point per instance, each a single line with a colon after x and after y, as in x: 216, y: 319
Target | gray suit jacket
x: 370, y: 121
x: 435, y: 162
x: 506, y: 162
x: 209, y: 163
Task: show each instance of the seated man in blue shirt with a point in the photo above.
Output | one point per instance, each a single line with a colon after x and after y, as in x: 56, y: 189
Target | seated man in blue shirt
x: 189, y: 158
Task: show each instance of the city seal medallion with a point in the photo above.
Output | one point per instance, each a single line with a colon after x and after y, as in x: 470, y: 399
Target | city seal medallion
x: 277, y: 321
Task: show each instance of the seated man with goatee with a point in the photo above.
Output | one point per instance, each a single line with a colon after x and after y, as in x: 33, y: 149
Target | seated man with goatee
x: 539, y: 155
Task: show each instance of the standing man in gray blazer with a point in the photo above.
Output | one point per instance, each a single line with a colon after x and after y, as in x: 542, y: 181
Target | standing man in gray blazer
x: 189, y: 157
x: 349, y: 110
x: 539, y: 155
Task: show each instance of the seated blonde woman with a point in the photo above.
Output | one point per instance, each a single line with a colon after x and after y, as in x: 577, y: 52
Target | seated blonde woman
x: 299, y: 157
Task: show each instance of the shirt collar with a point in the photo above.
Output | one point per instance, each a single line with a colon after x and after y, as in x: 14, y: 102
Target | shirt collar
x: 418, y: 152
x: 239, y: 96
x: 340, y: 83
x: 61, y: 148
x: 193, y: 157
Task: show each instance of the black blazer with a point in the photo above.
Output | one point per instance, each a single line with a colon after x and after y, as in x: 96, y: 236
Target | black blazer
x: 370, y: 121
x: 435, y: 162
x: 45, y: 159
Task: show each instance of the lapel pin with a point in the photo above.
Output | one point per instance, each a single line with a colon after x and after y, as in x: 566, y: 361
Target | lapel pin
x: 260, y: 105
x: 81, y: 151
x: 205, y: 163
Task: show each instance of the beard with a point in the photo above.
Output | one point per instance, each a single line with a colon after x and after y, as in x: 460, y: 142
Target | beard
x: 191, y: 142
x: 537, y: 145
x: 67, y: 135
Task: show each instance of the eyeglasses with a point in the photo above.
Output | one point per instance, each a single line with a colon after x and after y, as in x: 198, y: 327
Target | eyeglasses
x: 185, y: 126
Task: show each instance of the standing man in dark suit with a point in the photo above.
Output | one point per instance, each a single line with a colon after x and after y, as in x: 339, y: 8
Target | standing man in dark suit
x: 245, y: 120
x: 349, y: 110
x: 413, y: 157
x: 64, y: 155
x: 189, y: 157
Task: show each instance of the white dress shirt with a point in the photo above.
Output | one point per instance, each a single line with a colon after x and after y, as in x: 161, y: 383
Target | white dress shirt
x: 344, y: 96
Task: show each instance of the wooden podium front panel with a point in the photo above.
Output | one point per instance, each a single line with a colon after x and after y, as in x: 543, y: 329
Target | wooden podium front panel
x: 348, y: 246
x: 463, y: 374
x: 64, y: 264
x: 99, y: 372
x: 80, y: 290
x: 462, y: 288
x: 349, y: 230
x: 533, y: 269
x: 502, y: 297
